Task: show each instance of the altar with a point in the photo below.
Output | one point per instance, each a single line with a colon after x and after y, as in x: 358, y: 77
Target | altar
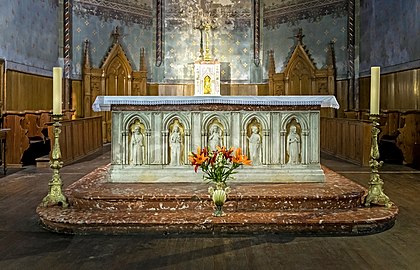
x: 152, y: 136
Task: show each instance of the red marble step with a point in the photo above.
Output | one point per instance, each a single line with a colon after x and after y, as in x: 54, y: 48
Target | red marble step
x: 94, y: 192
x: 354, y: 221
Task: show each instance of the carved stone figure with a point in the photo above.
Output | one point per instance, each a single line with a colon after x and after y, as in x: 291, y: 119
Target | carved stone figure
x: 255, y: 146
x: 215, y: 138
x: 293, y: 146
x: 175, y: 144
x: 136, y: 145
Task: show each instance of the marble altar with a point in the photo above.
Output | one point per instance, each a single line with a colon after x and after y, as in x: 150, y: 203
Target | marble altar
x: 280, y: 135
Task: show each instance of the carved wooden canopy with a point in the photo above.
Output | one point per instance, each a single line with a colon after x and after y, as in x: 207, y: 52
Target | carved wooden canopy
x: 300, y: 76
x: 114, y: 77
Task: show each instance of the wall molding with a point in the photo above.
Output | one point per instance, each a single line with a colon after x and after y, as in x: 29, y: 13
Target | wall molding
x: 311, y: 10
x: 128, y: 11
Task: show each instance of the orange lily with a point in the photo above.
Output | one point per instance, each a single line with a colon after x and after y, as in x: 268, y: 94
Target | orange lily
x: 225, y: 152
x: 239, y: 158
x: 198, y: 159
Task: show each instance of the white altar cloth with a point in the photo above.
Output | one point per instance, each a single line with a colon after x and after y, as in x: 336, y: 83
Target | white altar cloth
x: 103, y: 103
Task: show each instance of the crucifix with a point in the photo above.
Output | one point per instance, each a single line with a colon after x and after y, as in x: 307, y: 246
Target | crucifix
x: 201, y: 27
x: 205, y: 25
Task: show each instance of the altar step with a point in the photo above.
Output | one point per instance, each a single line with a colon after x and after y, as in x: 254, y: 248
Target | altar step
x: 358, y: 221
x: 332, y: 207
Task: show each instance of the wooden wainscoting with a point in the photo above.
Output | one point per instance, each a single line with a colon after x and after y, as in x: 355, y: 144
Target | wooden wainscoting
x: 78, y: 138
x: 346, y: 139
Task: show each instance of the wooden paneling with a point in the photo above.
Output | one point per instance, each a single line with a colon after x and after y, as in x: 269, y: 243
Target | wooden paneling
x: 78, y: 137
x: 2, y: 84
x: 342, y: 89
x: 226, y: 89
x: 347, y: 139
x: 27, y: 92
x: 399, y: 91
x: 77, y: 98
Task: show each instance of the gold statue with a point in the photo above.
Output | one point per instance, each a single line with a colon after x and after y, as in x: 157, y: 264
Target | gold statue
x: 207, y: 85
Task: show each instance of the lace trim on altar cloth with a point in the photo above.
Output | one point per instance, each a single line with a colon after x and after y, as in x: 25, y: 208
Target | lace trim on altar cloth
x: 103, y: 103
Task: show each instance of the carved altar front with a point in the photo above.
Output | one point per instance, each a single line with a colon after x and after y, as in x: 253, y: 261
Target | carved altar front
x: 152, y: 136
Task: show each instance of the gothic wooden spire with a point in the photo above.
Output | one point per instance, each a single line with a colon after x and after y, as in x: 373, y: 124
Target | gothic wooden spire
x: 331, y: 55
x: 299, y: 36
x: 142, y: 60
x: 271, y: 63
x: 116, y: 35
x: 86, y: 59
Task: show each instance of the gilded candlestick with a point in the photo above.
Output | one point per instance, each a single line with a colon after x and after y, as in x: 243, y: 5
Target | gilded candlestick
x: 55, y: 195
x: 376, y: 194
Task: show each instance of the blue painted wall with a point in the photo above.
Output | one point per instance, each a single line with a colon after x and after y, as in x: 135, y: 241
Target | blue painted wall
x: 96, y: 21
x: 389, y: 35
x: 29, y: 35
x: 318, y: 35
x: 322, y: 22
x: 98, y: 32
x: 231, y: 42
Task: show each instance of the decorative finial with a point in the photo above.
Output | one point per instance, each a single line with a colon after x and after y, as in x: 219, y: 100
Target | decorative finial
x: 86, y: 54
x: 116, y: 34
x: 299, y: 36
x: 271, y: 63
x: 142, y: 60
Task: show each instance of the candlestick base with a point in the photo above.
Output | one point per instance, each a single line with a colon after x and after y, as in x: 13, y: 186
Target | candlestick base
x: 376, y: 194
x: 55, y: 195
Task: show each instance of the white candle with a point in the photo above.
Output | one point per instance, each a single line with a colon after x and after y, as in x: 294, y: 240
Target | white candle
x: 57, y: 90
x: 374, y: 89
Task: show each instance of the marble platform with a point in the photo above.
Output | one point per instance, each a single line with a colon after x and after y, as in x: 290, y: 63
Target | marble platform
x: 333, y: 207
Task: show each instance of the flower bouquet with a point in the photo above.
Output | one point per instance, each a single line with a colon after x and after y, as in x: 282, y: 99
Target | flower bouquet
x: 218, y: 167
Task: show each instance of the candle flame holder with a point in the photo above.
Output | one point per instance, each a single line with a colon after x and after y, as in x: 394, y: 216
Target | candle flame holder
x: 55, y: 195
x: 376, y: 194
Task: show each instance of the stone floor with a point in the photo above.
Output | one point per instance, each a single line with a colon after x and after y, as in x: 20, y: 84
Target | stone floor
x: 24, y: 244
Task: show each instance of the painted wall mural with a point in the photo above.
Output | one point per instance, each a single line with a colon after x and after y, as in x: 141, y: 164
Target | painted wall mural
x: 321, y: 23
x: 96, y: 20
x: 389, y: 35
x: 29, y: 35
x: 231, y: 38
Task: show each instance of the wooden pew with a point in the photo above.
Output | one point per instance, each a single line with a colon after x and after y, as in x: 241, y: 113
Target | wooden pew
x: 78, y: 137
x: 409, y: 137
x: 17, y: 139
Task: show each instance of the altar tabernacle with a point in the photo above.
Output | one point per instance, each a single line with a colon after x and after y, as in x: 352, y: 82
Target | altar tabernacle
x: 279, y: 134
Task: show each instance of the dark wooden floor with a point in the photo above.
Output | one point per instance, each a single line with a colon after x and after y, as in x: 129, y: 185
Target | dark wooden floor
x: 25, y: 245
